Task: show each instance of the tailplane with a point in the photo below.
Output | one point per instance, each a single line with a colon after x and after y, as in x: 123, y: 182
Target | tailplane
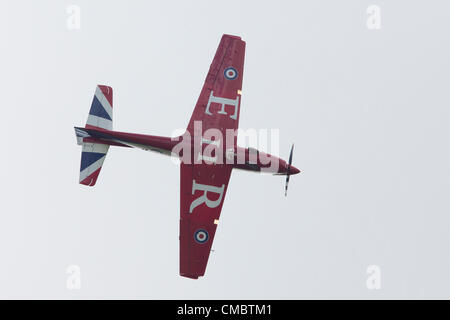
x: 93, y: 154
x: 92, y: 157
x: 101, y: 113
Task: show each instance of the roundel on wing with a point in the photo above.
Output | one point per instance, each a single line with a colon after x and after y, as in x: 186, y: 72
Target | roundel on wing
x: 201, y: 236
x: 230, y: 73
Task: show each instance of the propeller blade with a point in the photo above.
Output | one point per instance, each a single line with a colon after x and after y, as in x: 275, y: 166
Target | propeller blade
x: 288, y: 173
x: 290, y: 155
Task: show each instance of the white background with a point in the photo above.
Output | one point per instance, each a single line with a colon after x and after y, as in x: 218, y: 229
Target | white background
x: 368, y: 111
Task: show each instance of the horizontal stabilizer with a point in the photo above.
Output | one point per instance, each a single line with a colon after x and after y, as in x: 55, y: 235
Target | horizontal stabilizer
x: 92, y: 157
x: 101, y: 112
x: 93, y: 154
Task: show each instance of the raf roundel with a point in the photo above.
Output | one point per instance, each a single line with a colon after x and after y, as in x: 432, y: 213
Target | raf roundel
x: 230, y: 73
x: 201, y: 236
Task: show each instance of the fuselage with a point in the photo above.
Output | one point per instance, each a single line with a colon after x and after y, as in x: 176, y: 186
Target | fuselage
x: 193, y: 151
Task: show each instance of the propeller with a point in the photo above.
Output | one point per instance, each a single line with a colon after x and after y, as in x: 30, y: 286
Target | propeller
x: 288, y: 171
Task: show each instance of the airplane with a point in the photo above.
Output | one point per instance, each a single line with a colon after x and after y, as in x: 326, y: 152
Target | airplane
x: 203, y: 178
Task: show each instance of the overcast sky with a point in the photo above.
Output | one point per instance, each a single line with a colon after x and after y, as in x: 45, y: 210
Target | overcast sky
x: 368, y: 110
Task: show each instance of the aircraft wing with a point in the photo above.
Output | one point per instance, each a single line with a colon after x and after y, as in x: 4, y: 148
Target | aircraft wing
x: 219, y: 102
x: 203, y: 185
x: 202, y: 189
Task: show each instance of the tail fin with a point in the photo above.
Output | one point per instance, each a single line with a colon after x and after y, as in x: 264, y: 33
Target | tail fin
x: 93, y: 154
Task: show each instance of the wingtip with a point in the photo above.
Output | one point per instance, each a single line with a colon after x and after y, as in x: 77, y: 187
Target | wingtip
x: 225, y: 35
x: 190, y: 276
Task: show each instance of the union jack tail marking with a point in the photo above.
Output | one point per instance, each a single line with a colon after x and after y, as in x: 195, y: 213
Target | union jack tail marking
x: 101, y: 113
x: 100, y: 117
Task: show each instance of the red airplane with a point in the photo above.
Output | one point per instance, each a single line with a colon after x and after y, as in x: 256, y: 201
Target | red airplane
x: 207, y: 157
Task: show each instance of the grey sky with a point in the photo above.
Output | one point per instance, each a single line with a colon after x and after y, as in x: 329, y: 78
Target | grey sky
x: 368, y: 111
